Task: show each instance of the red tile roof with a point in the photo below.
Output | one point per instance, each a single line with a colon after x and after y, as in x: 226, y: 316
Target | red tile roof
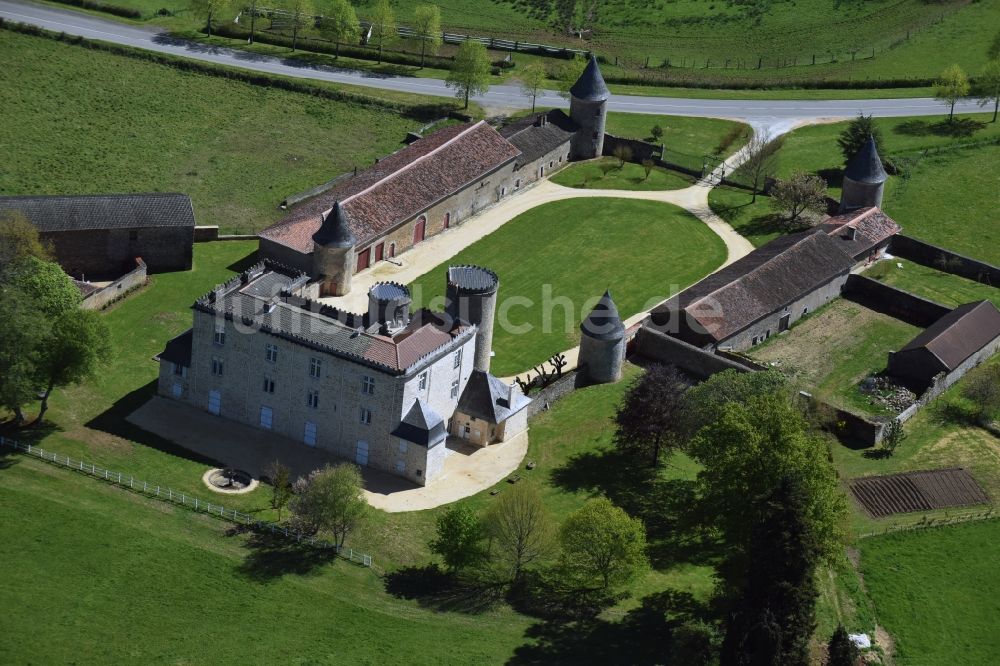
x: 400, y: 186
x: 871, y: 227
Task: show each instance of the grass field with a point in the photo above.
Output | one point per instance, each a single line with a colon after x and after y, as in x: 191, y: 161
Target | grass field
x: 562, y: 256
x: 631, y: 176
x: 237, y: 149
x: 829, y: 352
x: 931, y: 283
x: 936, y: 591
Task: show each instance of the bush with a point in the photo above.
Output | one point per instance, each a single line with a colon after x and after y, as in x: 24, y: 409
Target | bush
x: 125, y: 12
x: 503, y: 63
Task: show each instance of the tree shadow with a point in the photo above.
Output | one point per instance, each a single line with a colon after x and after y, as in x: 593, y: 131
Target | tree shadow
x: 834, y: 176
x: 272, y: 556
x: 877, y: 454
x: 645, y: 636
x: 434, y: 588
x: 956, y: 128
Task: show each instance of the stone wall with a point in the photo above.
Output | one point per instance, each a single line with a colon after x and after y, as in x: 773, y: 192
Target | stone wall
x: 658, y: 346
x: 944, y: 260
x: 641, y: 150
x: 548, y: 395
x: 203, y: 234
x: 117, y: 289
x: 894, y: 302
x: 107, y: 253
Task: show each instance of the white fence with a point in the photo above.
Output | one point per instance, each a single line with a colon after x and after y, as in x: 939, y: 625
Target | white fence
x: 175, y: 497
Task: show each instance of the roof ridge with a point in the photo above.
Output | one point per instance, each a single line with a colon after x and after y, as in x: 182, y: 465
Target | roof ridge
x: 407, y: 166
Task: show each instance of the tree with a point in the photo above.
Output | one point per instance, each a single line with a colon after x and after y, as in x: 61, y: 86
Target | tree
x: 647, y: 167
x: 656, y: 132
x: 281, y: 487
x: 340, y: 23
x: 18, y: 240
x: 748, y: 435
x: 330, y: 500
x: 519, y: 528
x: 989, y: 83
x: 759, y: 162
x: 952, y: 86
x: 622, y: 153
x: 301, y: 15
x: 532, y: 80
x: 982, y: 388
x: 600, y: 542
x: 855, y: 136
x: 771, y: 587
x: 21, y: 337
x: 427, y: 23
x: 797, y: 195
x: 567, y: 72
x: 383, y: 25
x: 648, y: 418
x: 80, y: 342
x: 893, y: 436
x: 470, y: 73
x: 208, y: 9
x: 459, y: 539
x: 45, y: 284
x: 841, y: 650
x: 252, y: 8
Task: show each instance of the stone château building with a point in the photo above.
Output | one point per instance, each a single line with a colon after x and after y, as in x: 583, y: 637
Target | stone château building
x: 382, y: 388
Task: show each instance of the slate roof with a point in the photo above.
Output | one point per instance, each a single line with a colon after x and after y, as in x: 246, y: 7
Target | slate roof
x: 259, y: 297
x: 604, y: 322
x: 871, y: 227
x: 473, y: 279
x: 539, y: 134
x: 762, y: 282
x: 400, y: 186
x: 103, y: 211
x: 178, y: 350
x: 590, y: 86
x: 85, y: 288
x: 866, y: 165
x: 959, y: 334
x: 421, y: 425
x: 488, y: 398
x: 334, y: 230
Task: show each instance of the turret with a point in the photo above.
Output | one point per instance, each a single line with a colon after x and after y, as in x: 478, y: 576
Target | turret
x: 602, y: 343
x: 588, y: 107
x: 472, y: 296
x: 333, y: 253
x: 389, y: 307
x: 864, y: 179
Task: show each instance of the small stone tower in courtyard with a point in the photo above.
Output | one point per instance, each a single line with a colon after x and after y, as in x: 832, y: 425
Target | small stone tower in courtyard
x: 602, y: 343
x: 471, y: 295
x: 864, y: 179
x: 333, y: 253
x: 588, y: 107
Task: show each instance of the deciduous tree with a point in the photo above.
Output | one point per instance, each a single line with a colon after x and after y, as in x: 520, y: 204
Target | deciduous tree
x: 950, y: 87
x: 340, y: 23
x: 622, y: 153
x: 532, y: 80
x: 51, y: 291
x: 855, y: 136
x: 759, y: 163
x: 383, y: 25
x: 281, y: 487
x: 24, y: 329
x: 519, y: 528
x: 427, y: 23
x: 648, y: 419
x: 989, y: 84
x: 470, y: 73
x: 797, y: 195
x: 18, y: 240
x: 300, y: 14
x: 459, y: 538
x: 602, y: 544
x: 208, y: 9
x: 79, y: 344
x: 656, y: 132
x: 330, y: 500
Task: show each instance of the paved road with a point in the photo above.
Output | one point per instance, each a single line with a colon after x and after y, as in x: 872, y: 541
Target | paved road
x: 776, y: 114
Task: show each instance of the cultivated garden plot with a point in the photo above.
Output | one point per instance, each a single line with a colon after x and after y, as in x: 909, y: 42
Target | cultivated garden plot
x: 917, y: 491
x: 830, y: 352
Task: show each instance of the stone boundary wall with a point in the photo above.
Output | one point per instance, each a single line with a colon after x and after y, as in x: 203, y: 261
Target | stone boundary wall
x: 118, y: 289
x: 641, y: 150
x: 850, y: 428
x: 944, y: 260
x: 894, y: 302
x: 551, y: 393
x: 203, y: 234
x: 658, y: 346
x: 742, y: 359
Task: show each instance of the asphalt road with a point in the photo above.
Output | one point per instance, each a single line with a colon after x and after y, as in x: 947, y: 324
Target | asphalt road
x: 779, y: 115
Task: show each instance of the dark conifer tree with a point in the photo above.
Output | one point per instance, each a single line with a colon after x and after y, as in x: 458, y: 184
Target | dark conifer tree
x: 842, y: 652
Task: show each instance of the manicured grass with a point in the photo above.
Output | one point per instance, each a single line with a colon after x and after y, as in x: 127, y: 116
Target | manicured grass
x: 681, y: 135
x: 83, y: 121
x: 563, y: 255
x: 829, y: 352
x: 931, y: 283
x: 606, y: 174
x: 936, y: 592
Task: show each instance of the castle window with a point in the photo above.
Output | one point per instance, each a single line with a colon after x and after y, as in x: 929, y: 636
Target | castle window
x: 454, y: 389
x: 268, y: 385
x: 403, y: 446
x: 266, y: 418
x: 312, y: 399
x: 309, y: 434
x: 271, y: 353
x: 217, y: 366
x: 366, y: 416
x: 368, y: 385
x: 422, y: 381
x: 458, y: 359
x: 220, y: 337
x: 315, y: 367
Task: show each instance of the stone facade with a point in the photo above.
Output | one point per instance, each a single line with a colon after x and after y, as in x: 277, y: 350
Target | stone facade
x: 108, y: 253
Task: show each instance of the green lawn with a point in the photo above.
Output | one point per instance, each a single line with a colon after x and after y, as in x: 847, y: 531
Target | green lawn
x: 83, y: 121
x: 937, y: 593
x: 562, y: 256
x: 931, y: 283
x: 606, y: 174
x: 681, y: 134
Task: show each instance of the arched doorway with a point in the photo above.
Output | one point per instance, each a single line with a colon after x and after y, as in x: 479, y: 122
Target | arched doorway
x: 420, y: 230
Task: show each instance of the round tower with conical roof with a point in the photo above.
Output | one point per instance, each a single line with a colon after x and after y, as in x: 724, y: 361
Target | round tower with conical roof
x: 602, y: 343
x: 588, y: 107
x: 864, y: 179
x: 333, y: 253
x: 471, y: 296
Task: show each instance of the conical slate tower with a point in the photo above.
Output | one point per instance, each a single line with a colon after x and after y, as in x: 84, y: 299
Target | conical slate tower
x: 335, y: 230
x: 333, y: 252
x: 588, y: 107
x: 864, y: 179
x: 602, y: 343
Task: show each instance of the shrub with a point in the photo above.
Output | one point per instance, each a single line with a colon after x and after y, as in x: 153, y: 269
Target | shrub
x: 125, y: 12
